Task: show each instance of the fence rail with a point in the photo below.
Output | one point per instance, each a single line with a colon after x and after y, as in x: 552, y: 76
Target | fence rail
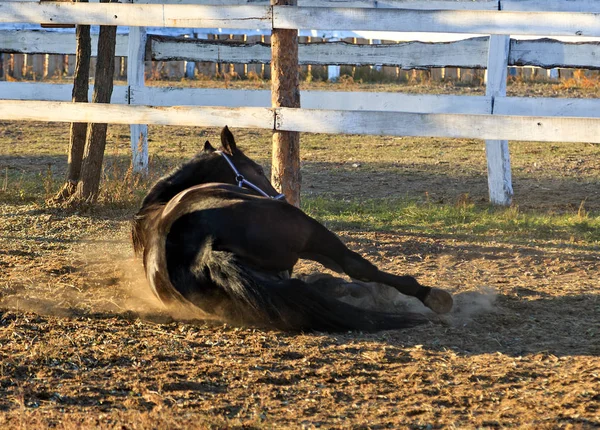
x: 550, y: 129
x: 296, y: 17
x: 493, y: 117
x: 323, y: 100
x: 467, y: 53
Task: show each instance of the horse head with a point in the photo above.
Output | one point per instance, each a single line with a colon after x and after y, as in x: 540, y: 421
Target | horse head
x: 227, y: 165
x: 242, y: 170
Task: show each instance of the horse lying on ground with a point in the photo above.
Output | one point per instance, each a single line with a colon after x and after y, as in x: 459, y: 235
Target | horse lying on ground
x: 216, y: 235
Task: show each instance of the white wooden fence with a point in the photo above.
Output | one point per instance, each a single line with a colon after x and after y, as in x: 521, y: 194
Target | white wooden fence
x: 493, y: 117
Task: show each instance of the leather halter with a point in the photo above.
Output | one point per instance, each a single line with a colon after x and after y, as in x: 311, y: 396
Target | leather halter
x: 243, y: 181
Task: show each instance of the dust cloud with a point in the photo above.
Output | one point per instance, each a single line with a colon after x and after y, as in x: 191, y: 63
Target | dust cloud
x: 472, y: 303
x: 373, y: 296
x: 102, y: 277
x: 131, y: 290
x: 90, y: 276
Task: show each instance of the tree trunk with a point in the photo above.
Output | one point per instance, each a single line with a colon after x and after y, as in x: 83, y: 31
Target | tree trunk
x: 78, y: 129
x: 285, y: 92
x: 89, y: 183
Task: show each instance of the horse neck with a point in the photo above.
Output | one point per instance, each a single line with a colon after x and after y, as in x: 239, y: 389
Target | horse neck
x: 200, y: 170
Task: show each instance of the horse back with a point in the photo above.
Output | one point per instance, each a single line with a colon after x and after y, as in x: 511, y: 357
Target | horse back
x: 259, y: 231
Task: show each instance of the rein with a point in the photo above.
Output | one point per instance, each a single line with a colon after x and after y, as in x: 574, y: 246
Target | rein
x: 243, y: 181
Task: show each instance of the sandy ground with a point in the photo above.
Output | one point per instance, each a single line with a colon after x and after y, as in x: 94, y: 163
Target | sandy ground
x: 84, y: 344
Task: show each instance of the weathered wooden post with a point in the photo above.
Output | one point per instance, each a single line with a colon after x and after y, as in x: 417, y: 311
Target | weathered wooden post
x: 285, y: 92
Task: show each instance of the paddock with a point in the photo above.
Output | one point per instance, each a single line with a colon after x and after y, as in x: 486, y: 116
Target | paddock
x: 85, y: 345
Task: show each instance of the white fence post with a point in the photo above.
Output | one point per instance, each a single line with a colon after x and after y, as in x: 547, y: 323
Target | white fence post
x: 135, y: 79
x: 190, y: 66
x: 333, y: 71
x: 376, y: 67
x: 497, y: 153
x: 553, y: 74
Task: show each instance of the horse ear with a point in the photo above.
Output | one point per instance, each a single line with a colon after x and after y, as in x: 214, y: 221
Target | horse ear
x: 208, y: 147
x: 227, y: 141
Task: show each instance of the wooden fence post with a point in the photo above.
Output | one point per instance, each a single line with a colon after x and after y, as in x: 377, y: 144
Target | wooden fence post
x: 497, y: 153
x: 285, y: 92
x: 135, y: 79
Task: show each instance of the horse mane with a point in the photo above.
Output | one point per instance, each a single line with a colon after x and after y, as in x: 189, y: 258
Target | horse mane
x: 190, y: 173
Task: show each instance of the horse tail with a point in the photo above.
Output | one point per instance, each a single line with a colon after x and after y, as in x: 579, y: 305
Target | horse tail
x: 289, y: 304
x: 152, y: 248
x: 137, y: 234
x: 140, y: 227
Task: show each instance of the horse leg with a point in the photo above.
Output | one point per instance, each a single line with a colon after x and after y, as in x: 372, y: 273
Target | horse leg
x: 327, y: 249
x: 277, y: 238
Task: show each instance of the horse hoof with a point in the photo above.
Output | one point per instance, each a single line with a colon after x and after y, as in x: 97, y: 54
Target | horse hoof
x: 438, y: 301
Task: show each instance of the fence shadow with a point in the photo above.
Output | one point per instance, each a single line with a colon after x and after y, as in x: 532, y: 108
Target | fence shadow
x: 488, y: 323
x: 525, y: 323
x: 437, y: 183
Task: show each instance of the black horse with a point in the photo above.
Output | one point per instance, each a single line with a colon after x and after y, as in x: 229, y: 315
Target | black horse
x: 216, y: 235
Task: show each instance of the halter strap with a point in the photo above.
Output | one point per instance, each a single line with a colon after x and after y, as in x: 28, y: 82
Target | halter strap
x: 243, y: 181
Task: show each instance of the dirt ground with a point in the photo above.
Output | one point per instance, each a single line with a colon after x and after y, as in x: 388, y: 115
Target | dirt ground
x: 83, y: 344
